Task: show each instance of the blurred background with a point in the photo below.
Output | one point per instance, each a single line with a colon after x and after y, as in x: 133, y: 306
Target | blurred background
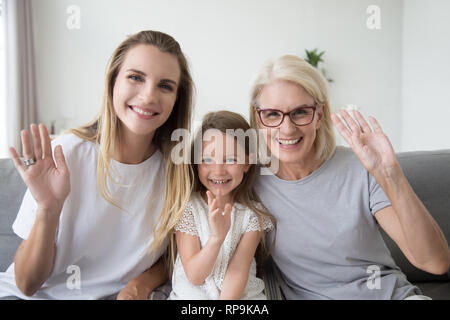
x: 388, y: 58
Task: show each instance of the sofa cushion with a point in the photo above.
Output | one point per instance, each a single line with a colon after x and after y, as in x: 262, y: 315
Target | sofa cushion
x: 428, y: 172
x: 435, y: 290
x: 12, y: 190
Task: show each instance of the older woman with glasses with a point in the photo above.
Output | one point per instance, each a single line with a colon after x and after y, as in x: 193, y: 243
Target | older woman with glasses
x: 329, y: 201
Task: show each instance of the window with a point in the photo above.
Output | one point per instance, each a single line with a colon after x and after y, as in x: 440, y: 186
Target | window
x: 3, y: 142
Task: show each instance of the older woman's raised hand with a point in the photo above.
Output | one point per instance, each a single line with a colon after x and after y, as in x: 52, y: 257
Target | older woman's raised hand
x: 47, y: 179
x: 372, y: 147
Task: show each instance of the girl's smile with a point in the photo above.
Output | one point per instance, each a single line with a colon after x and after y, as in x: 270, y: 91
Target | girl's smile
x: 219, y: 170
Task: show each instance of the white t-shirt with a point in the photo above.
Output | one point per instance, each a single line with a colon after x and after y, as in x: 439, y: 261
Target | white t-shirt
x: 99, y: 247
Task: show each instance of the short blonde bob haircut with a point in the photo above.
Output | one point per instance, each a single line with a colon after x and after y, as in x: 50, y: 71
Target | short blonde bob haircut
x: 294, y: 69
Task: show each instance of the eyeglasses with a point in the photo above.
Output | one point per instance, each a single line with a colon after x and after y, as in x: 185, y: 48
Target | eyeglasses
x: 300, y: 116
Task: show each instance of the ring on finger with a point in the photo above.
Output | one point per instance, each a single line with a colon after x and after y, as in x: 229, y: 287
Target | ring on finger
x: 29, y: 162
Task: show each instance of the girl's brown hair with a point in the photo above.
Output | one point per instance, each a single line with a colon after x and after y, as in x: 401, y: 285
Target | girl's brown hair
x: 244, y: 193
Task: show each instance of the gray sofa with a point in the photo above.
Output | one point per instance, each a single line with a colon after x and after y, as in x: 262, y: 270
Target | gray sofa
x: 428, y: 172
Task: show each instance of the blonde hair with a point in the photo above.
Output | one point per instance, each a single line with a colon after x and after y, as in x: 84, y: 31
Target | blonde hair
x: 105, y: 128
x: 298, y: 71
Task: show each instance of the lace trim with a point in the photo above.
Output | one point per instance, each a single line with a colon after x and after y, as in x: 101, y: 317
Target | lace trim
x: 196, y: 209
x: 187, y: 222
x: 253, y: 224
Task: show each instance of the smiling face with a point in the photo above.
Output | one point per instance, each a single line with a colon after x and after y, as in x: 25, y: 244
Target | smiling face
x: 296, y: 143
x: 145, y: 90
x: 220, y: 171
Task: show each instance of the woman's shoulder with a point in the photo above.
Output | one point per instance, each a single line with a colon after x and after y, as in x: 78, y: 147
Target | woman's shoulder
x: 69, y: 139
x: 344, y: 161
x: 344, y: 156
x: 73, y: 145
x: 343, y: 152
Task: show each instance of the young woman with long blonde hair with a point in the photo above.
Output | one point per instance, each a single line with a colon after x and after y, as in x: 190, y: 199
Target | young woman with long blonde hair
x: 94, y: 195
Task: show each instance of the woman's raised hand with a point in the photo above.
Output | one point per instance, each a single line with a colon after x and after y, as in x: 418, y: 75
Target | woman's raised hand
x: 372, y: 147
x: 48, y: 183
x: 219, y: 221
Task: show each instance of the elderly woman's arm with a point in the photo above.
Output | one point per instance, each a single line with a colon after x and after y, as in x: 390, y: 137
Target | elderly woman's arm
x: 407, y: 221
x: 424, y: 242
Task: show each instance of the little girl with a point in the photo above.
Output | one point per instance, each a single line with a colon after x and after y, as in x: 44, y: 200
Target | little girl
x: 222, y: 223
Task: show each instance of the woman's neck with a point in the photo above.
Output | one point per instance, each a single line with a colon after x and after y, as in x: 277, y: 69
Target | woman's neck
x: 134, y: 150
x: 298, y: 170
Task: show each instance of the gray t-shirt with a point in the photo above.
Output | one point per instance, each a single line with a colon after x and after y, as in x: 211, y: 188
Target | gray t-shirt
x: 328, y: 245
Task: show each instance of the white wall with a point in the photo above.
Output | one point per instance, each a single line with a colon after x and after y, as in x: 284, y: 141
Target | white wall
x: 226, y: 43
x: 426, y: 75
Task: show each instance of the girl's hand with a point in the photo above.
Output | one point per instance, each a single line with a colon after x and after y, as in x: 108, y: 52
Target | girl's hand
x: 49, y: 184
x: 219, y: 221
x: 372, y: 147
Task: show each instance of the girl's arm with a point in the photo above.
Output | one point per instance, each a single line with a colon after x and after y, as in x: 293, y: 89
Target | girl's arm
x: 238, y: 269
x: 197, y: 262
x: 140, y: 287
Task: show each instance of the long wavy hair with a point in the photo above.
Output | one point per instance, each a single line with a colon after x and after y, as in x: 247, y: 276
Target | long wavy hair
x: 104, y: 130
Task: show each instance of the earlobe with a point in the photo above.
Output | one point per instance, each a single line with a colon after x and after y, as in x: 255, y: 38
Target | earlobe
x: 319, y: 120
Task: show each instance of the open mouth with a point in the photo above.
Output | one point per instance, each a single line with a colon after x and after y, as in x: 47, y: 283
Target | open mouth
x: 219, y: 182
x: 285, y: 142
x: 143, y: 112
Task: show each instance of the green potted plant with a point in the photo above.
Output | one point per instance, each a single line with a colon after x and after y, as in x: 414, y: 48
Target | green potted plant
x: 314, y: 58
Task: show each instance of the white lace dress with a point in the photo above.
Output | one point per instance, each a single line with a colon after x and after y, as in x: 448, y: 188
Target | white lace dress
x: 195, y: 222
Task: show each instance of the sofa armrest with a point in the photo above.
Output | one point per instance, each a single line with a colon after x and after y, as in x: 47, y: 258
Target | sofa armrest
x: 12, y: 190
